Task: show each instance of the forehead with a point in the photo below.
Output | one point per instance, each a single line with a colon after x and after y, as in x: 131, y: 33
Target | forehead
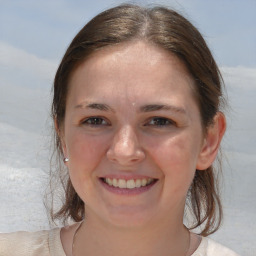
x: 128, y: 53
x: 131, y: 69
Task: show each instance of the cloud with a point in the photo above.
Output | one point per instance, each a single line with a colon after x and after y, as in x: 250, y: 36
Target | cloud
x: 241, y: 93
x: 18, y: 66
x: 25, y: 87
x: 242, y: 77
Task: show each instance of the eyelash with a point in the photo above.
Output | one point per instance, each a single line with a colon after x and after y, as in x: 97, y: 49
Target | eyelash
x: 89, y: 121
x: 157, y: 121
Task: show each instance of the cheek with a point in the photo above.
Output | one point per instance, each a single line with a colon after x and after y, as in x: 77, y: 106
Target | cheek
x: 176, y: 149
x: 85, y: 152
x: 176, y: 157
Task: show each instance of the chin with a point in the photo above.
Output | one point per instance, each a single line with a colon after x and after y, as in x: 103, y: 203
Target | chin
x: 130, y: 218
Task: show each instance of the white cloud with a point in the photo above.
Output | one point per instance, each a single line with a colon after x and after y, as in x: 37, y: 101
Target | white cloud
x: 13, y: 59
x: 25, y: 86
x: 241, y: 116
x: 242, y: 77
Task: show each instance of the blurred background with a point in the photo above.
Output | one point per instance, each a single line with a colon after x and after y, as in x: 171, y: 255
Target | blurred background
x: 33, y: 37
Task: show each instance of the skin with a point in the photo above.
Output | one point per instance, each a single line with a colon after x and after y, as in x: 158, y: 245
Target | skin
x: 128, y: 140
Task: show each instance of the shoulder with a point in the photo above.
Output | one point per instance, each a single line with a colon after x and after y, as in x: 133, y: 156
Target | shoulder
x: 24, y: 243
x: 30, y: 243
x: 211, y: 248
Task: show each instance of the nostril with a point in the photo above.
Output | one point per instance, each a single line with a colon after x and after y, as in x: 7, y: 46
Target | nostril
x: 126, y: 158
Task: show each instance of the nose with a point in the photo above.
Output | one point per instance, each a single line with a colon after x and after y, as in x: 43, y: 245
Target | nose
x: 125, y: 149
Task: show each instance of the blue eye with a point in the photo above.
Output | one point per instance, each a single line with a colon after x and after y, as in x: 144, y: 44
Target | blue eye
x: 95, y: 121
x: 160, y: 121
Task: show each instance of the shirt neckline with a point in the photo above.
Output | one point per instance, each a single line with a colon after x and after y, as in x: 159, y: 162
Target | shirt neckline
x: 56, y: 246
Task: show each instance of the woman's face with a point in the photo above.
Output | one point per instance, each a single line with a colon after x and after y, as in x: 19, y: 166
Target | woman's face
x: 133, y: 135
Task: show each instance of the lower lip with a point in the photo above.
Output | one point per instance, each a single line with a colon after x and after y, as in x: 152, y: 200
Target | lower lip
x: 127, y: 191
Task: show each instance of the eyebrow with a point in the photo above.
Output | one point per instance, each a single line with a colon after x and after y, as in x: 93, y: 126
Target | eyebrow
x: 156, y: 107
x: 98, y: 106
x: 144, y: 108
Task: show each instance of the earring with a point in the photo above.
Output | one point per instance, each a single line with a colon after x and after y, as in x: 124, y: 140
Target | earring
x: 65, y: 159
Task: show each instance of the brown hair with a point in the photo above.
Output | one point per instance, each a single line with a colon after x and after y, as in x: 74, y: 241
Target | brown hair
x: 168, y: 30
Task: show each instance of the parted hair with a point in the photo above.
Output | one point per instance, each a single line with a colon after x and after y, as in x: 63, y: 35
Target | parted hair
x: 166, y: 29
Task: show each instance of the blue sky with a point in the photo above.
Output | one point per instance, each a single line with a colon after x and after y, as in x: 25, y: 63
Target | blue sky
x: 45, y: 28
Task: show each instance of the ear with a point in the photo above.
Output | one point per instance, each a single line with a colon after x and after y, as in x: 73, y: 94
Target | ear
x: 211, y: 143
x: 60, y: 135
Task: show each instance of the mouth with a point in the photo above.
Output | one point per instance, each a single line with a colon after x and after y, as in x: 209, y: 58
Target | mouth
x: 125, y: 186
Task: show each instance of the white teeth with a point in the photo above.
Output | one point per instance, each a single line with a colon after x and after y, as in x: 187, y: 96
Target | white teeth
x: 138, y: 183
x: 144, y: 183
x: 130, y: 184
x: 115, y: 183
x: 109, y: 181
x: 122, y: 183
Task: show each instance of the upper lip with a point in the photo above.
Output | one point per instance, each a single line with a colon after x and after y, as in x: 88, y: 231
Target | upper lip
x: 126, y: 177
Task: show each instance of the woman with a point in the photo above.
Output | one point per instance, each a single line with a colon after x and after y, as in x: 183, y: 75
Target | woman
x: 136, y: 109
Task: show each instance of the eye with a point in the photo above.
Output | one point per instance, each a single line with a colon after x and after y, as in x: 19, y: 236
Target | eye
x: 95, y: 121
x: 160, y: 121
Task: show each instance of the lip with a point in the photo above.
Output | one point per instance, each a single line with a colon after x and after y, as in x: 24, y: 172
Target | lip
x: 126, y: 177
x: 126, y: 191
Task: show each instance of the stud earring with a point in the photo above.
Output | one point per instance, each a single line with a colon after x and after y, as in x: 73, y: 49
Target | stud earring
x: 65, y: 159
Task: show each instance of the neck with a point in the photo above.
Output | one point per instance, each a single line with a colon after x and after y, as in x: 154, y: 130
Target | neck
x: 159, y: 239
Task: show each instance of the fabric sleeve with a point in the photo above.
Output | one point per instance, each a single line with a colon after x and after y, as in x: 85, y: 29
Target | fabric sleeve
x: 215, y: 248
x: 24, y: 243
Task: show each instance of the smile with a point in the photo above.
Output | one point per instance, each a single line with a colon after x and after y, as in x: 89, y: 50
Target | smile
x: 128, y: 184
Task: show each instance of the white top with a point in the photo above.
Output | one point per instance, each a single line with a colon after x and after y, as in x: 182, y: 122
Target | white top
x: 45, y: 243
